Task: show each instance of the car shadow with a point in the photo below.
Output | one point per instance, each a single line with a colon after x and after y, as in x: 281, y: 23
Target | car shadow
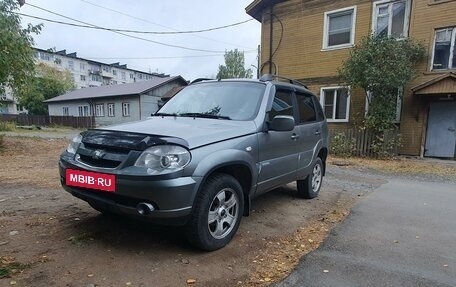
x: 120, y: 232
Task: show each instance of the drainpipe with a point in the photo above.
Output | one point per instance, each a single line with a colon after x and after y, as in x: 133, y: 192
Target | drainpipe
x: 270, y: 37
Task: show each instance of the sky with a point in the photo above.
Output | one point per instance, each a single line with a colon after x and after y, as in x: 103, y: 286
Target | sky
x: 150, y: 15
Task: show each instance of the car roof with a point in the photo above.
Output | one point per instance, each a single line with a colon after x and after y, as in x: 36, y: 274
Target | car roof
x: 298, y: 87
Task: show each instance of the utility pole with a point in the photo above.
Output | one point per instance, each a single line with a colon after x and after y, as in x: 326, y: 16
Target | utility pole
x: 258, y: 61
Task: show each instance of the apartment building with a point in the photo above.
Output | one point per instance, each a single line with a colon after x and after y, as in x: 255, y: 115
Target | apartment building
x: 86, y: 73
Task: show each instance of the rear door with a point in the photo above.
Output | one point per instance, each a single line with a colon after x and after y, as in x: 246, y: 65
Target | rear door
x: 310, y: 119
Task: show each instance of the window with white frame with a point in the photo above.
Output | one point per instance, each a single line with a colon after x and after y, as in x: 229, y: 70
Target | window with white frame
x: 95, y: 78
x: 339, y: 28
x: 71, y: 65
x: 111, y: 110
x: 82, y: 77
x: 123, y: 75
x: 44, y: 56
x: 391, y: 18
x: 99, y: 110
x: 444, y: 56
x: 126, y: 109
x: 398, y: 111
x: 65, y: 111
x: 82, y: 66
x: 83, y: 111
x: 336, y: 103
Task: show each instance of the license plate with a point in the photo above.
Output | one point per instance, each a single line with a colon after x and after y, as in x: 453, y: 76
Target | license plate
x: 93, y: 180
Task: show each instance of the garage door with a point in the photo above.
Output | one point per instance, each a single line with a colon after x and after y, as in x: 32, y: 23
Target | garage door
x: 441, y: 130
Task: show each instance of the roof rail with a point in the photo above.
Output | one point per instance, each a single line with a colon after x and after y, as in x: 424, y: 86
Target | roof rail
x: 200, y: 80
x: 270, y: 77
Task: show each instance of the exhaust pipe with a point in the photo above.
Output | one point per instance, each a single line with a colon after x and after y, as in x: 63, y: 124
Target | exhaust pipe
x: 144, y: 208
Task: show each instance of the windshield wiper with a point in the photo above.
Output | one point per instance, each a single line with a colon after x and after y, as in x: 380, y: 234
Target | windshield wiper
x: 165, y: 115
x: 202, y: 115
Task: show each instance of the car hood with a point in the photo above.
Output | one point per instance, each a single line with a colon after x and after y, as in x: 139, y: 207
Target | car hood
x: 195, y: 132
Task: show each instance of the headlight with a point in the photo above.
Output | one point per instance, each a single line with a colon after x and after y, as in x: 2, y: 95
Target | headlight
x: 74, y: 144
x: 163, y: 159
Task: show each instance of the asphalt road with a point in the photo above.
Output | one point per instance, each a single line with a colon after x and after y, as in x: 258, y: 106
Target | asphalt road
x: 402, y: 234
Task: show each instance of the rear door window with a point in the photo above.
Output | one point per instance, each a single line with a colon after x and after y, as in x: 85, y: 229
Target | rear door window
x: 306, y: 108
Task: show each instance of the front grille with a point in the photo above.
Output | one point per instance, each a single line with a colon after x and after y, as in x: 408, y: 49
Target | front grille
x: 104, y: 163
x: 102, y: 157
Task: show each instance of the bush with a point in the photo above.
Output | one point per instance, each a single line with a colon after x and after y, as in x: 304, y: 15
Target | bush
x: 341, y: 145
x: 385, y: 144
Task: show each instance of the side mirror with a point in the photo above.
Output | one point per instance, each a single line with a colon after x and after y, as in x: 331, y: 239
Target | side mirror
x: 282, y: 123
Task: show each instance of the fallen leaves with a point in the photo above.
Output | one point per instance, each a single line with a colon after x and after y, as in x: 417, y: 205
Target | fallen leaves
x: 281, y: 255
x: 399, y: 165
x: 191, y: 281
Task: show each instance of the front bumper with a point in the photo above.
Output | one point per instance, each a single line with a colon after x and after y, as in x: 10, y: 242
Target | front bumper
x: 172, y: 198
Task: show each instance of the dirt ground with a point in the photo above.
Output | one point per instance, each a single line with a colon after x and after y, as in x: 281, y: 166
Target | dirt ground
x: 49, y: 238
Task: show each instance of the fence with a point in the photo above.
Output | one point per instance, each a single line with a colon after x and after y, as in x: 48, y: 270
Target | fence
x: 42, y: 120
x: 364, y: 143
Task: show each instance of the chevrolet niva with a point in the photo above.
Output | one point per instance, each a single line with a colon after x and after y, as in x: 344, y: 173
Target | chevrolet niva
x: 200, y: 160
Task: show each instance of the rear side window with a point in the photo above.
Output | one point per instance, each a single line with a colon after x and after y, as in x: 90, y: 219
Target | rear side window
x: 306, y: 108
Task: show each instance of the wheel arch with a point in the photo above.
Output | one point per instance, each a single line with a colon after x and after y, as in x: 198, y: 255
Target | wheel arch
x: 323, y: 154
x: 242, y: 172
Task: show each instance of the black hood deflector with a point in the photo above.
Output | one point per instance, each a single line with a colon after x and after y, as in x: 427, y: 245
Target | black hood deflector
x: 128, y: 140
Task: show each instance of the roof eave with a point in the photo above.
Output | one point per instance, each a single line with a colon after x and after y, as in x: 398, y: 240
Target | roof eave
x: 426, y: 84
x: 255, y: 9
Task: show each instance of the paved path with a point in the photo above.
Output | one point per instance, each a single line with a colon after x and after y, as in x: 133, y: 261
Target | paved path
x: 403, y: 234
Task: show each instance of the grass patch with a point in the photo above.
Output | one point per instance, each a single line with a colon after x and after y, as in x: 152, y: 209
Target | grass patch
x: 81, y: 239
x: 2, y: 144
x: 7, y: 126
x: 9, y: 267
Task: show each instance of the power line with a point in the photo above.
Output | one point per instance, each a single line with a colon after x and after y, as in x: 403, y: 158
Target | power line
x: 134, y: 31
x: 163, y: 57
x: 126, y: 35
x: 160, y: 25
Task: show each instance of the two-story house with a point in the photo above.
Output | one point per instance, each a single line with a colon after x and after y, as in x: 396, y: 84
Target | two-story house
x: 309, y: 39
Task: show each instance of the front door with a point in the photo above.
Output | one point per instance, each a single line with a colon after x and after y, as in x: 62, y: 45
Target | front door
x: 441, y: 130
x: 279, y: 150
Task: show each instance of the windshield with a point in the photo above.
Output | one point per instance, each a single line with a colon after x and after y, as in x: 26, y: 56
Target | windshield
x: 222, y: 100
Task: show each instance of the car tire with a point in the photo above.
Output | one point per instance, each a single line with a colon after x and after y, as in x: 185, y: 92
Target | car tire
x: 310, y: 187
x: 216, y: 213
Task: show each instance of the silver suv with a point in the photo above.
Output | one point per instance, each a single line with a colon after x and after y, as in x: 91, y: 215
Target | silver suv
x: 202, y: 158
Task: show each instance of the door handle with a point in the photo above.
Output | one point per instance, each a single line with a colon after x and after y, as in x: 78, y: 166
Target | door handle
x: 452, y: 129
x: 294, y: 137
x: 317, y: 133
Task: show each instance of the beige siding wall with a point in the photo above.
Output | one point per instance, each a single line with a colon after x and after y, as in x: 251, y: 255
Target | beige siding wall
x: 426, y: 17
x: 300, y: 53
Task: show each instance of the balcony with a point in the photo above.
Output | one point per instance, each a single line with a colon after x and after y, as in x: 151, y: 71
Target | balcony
x: 95, y: 72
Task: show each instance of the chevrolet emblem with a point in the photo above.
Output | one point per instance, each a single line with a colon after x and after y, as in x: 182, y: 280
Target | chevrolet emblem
x: 97, y: 154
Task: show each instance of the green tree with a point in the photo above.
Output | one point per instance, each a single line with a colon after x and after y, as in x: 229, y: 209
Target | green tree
x: 16, y: 55
x: 234, y: 66
x: 382, y: 66
x: 48, y: 83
